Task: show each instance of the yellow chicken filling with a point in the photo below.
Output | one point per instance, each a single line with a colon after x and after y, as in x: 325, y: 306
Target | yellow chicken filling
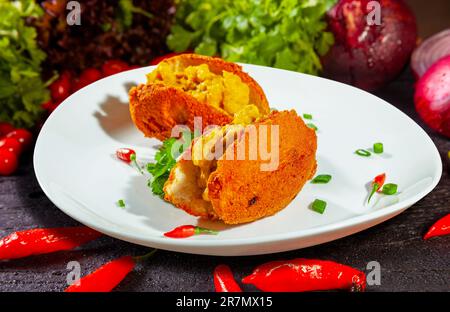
x: 207, y: 149
x: 226, y: 92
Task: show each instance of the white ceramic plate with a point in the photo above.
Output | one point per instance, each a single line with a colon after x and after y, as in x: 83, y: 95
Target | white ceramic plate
x: 76, y: 167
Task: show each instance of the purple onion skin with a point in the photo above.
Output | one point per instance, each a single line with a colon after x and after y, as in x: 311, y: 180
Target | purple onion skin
x: 369, y: 56
x: 430, y: 51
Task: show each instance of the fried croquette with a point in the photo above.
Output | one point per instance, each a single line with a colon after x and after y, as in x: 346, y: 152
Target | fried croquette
x: 237, y: 189
x: 190, y: 85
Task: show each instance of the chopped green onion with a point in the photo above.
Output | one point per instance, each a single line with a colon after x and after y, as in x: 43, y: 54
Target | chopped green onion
x: 321, y: 179
x: 312, y: 126
x: 307, y: 116
x: 319, y: 206
x: 389, y: 189
x: 363, y: 152
x: 121, y: 203
x: 378, y: 148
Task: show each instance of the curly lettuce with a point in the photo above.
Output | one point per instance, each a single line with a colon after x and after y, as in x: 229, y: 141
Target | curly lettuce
x: 22, y: 90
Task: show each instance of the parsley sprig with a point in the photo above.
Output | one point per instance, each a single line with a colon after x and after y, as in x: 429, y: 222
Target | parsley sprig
x: 288, y: 34
x: 165, y: 160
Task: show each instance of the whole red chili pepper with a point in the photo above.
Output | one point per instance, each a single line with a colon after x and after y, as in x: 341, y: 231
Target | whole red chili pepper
x: 188, y: 231
x: 108, y: 276
x: 41, y: 241
x: 305, y: 275
x: 224, y: 280
x: 441, y: 227
x: 377, y: 183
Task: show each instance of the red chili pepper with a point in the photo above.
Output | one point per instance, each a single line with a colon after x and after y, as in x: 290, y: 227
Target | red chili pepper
x: 108, y: 276
x: 188, y: 231
x: 224, y: 280
x: 41, y: 241
x: 125, y: 154
x: 441, y: 227
x: 377, y: 183
x: 305, y: 275
x: 128, y: 155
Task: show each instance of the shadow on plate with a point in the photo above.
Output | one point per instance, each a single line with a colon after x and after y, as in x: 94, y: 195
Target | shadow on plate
x: 157, y: 213
x: 115, y: 120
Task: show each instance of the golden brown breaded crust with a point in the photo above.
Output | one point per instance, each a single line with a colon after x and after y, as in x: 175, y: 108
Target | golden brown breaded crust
x: 240, y: 192
x: 155, y: 108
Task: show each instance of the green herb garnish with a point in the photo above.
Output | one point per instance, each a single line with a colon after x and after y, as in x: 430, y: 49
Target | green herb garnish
x: 312, y: 126
x: 321, y: 179
x: 22, y: 91
x: 363, y: 152
x: 307, y: 116
x: 121, y: 203
x: 288, y: 34
x: 165, y: 160
x: 319, y: 206
x: 389, y: 189
x: 378, y: 148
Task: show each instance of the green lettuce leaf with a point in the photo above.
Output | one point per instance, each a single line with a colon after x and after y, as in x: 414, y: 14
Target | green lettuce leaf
x: 22, y: 90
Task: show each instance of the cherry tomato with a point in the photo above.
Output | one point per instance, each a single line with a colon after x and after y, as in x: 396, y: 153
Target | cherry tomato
x: 112, y: 67
x: 125, y: 154
x: 22, y: 135
x: 61, y: 88
x: 88, y: 76
x: 49, y: 106
x: 158, y: 59
x: 12, y: 145
x: 5, y: 128
x: 8, y: 162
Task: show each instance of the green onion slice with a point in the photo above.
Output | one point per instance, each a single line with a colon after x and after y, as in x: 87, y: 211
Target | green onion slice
x: 121, y: 203
x: 363, y: 152
x: 378, y: 148
x: 321, y: 179
x: 312, y: 126
x: 319, y: 206
x: 307, y: 116
x: 389, y: 189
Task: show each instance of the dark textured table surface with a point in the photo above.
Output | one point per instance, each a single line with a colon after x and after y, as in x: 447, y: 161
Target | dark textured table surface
x: 407, y: 262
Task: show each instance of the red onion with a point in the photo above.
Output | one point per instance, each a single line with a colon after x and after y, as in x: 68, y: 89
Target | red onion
x: 432, y: 96
x: 369, y: 55
x: 431, y: 50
